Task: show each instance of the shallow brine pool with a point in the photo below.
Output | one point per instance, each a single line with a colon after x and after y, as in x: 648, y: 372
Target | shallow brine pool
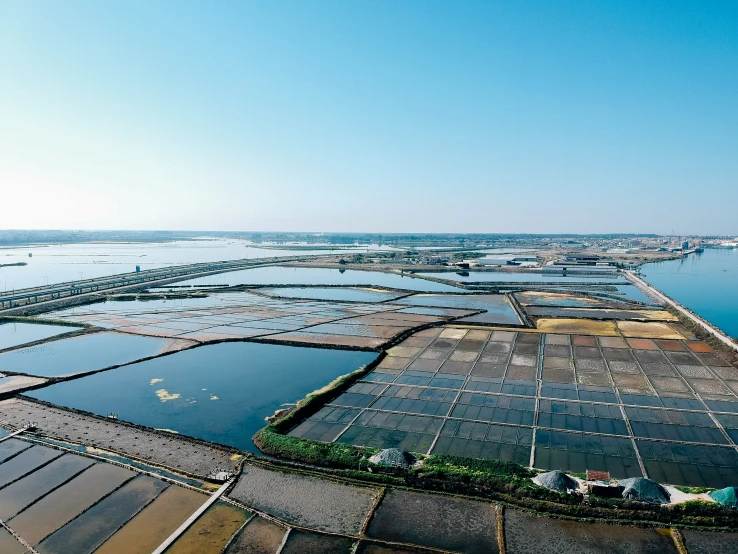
x: 219, y: 393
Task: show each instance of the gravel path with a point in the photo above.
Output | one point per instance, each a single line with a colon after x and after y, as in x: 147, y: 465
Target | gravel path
x: 305, y: 501
x: 156, y: 448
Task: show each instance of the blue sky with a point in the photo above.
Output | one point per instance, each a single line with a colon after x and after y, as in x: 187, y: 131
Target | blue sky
x: 387, y: 116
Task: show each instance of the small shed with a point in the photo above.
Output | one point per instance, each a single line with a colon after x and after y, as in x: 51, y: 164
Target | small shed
x: 597, y: 475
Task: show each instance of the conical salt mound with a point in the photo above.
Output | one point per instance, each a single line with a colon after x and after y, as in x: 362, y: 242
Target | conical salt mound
x: 556, y: 481
x: 644, y: 490
x: 727, y: 496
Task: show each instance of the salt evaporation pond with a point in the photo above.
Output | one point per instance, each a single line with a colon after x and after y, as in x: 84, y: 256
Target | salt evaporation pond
x: 279, y: 275
x: 572, y: 283
x: 621, y: 292
x: 523, y: 277
x: 15, y: 334
x: 81, y: 354
x: 333, y: 293
x: 219, y: 393
x: 498, y: 309
x: 631, y: 292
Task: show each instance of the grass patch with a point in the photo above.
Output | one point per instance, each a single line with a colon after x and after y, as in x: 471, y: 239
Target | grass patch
x: 699, y: 508
x: 473, y: 469
x: 327, y: 454
x: 693, y: 490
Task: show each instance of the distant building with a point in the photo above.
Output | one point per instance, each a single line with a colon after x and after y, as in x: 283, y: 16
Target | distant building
x: 465, y: 264
x: 587, y: 260
x: 582, y: 258
x: 493, y: 261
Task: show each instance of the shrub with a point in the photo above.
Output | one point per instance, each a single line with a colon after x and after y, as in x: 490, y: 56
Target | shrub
x: 334, y: 455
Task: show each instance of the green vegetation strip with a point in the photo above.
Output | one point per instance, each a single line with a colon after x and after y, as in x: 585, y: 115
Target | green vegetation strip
x: 694, y: 490
x: 498, y: 480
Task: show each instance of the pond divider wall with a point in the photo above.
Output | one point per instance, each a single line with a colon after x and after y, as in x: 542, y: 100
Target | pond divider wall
x: 313, y: 402
x: 527, y: 322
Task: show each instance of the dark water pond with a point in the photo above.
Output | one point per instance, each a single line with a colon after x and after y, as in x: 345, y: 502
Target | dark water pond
x: 21, y: 493
x: 68, y: 501
x: 88, y: 531
x: 220, y: 393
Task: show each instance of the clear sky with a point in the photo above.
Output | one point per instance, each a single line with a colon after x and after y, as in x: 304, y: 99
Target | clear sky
x: 359, y: 115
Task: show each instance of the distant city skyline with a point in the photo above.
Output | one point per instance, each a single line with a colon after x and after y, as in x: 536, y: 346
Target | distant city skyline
x: 414, y: 116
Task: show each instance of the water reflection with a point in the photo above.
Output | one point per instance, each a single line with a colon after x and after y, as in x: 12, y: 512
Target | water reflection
x: 220, y: 393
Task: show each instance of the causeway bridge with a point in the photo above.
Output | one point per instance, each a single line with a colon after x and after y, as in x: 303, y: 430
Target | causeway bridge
x: 25, y: 297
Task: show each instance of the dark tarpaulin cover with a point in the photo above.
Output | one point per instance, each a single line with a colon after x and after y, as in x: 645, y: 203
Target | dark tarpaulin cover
x: 644, y: 490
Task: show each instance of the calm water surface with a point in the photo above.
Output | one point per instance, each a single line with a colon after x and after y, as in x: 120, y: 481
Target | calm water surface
x: 498, y: 310
x: 15, y: 334
x: 706, y: 283
x: 318, y: 276
x: 220, y: 393
x: 58, y: 263
x: 81, y: 354
x: 333, y: 293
